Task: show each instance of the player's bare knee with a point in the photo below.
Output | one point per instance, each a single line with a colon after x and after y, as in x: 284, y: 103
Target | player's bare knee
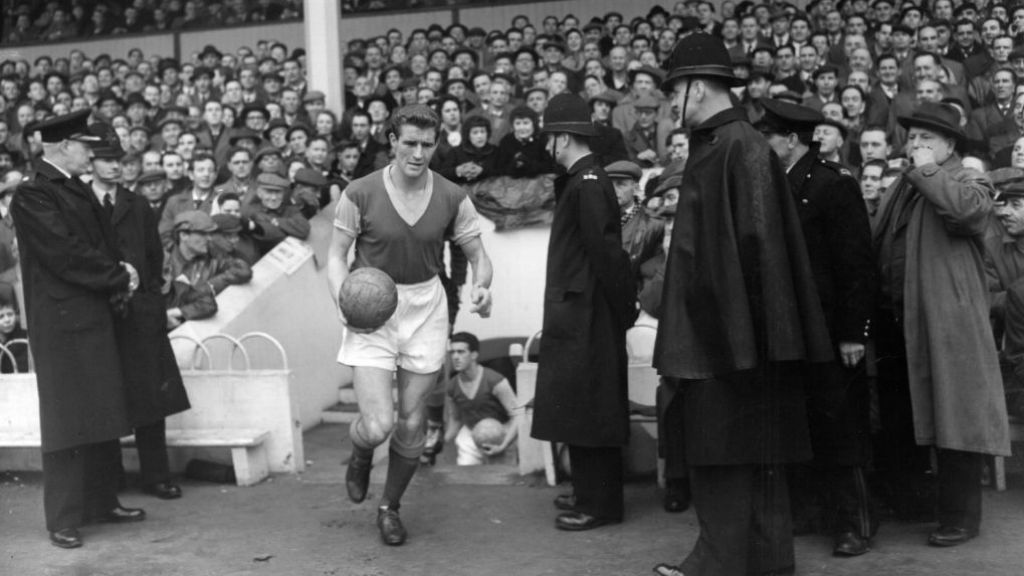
x: 378, y: 427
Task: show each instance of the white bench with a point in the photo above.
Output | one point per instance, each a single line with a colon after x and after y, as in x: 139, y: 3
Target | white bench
x: 248, y: 449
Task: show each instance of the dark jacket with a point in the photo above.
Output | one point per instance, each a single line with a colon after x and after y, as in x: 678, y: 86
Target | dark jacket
x: 71, y: 270
x: 609, y: 145
x: 275, y: 225
x: 463, y: 153
x: 739, y: 290
x: 589, y: 302
x: 837, y: 231
x: 519, y: 159
x: 153, y: 385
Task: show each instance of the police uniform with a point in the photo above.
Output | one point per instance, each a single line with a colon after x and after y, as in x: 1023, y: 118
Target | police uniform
x: 837, y: 231
x: 589, y: 302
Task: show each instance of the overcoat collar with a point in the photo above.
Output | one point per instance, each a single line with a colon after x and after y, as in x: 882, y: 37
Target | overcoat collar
x: 724, y: 117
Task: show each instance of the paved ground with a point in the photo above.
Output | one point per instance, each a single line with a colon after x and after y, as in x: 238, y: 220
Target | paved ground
x: 462, y: 522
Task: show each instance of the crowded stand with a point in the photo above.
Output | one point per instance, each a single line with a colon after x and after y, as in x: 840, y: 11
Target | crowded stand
x: 233, y: 152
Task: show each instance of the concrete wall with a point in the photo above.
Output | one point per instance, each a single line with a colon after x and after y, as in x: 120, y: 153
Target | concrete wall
x: 294, y: 307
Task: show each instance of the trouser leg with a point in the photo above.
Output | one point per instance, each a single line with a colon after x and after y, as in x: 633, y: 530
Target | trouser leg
x: 102, y: 466
x: 854, y: 509
x: 64, y: 488
x: 671, y: 438
x: 771, y: 533
x: 723, y: 498
x: 597, y: 480
x: 904, y: 465
x: 151, y: 441
x: 960, y: 489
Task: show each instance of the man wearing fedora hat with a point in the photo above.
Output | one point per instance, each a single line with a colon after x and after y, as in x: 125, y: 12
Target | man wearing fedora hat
x: 938, y: 373
x: 740, y: 315
x: 590, y: 301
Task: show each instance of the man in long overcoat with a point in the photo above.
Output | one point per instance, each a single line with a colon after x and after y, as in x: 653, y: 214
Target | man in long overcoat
x: 740, y: 314
x: 153, y: 385
x: 589, y: 302
x: 72, y: 271
x: 834, y: 220
x: 938, y: 373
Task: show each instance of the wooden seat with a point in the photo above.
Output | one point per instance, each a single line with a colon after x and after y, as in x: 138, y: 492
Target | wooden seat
x: 248, y: 449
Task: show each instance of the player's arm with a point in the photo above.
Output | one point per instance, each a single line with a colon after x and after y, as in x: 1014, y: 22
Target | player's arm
x: 483, y: 273
x: 503, y: 392
x: 346, y: 228
x: 454, y: 423
x: 337, y: 261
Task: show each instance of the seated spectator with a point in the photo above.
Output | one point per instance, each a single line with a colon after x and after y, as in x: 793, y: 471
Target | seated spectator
x: 269, y: 161
x: 347, y: 158
x: 473, y: 159
x: 476, y: 393
x: 641, y: 234
x: 642, y: 138
x: 152, y: 186
x: 871, y: 184
x: 229, y: 203
x: 311, y: 191
x: 232, y: 240
x: 200, y: 197
x: 274, y: 220
x: 13, y: 355
x: 193, y: 276
x: 242, y: 180
x: 521, y: 152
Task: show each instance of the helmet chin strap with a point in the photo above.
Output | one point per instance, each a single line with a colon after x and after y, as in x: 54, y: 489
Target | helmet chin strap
x: 686, y: 101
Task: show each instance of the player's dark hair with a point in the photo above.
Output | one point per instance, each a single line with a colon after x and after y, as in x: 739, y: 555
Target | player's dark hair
x: 468, y: 339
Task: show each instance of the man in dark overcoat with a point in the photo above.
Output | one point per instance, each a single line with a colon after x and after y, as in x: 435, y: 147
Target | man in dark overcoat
x: 153, y: 385
x: 740, y: 315
x: 589, y: 302
x: 72, y: 273
x: 834, y: 220
x: 939, y: 383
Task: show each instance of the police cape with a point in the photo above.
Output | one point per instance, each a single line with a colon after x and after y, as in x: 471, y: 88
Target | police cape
x: 740, y: 310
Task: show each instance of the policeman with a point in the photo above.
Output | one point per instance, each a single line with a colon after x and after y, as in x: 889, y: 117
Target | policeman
x: 590, y: 301
x: 835, y: 224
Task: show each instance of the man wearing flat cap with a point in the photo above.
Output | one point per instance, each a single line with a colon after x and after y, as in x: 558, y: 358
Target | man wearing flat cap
x: 274, y: 217
x: 740, y: 317
x: 1004, y: 245
x: 192, y: 274
x: 153, y: 385
x: 837, y: 232
x: 589, y: 303
x: 641, y: 234
x: 645, y: 139
x: 73, y: 275
x: 938, y: 374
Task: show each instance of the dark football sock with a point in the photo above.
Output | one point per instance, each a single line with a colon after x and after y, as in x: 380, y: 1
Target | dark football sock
x: 400, y: 473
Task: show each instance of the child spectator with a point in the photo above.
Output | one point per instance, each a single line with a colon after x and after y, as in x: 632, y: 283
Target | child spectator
x: 229, y: 203
x: 16, y: 357
x: 473, y: 159
x: 521, y: 153
x: 476, y: 393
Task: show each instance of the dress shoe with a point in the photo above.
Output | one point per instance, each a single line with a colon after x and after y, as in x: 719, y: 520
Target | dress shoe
x: 163, y: 490
x: 947, y: 536
x: 566, y: 502
x: 390, y: 525
x: 677, y: 496
x: 357, y: 478
x: 66, y: 538
x: 578, y: 521
x: 121, y: 515
x: 850, y: 544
